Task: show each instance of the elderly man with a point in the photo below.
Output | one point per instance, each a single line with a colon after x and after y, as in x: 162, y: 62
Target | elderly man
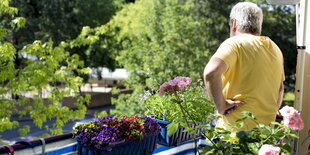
x: 246, y: 72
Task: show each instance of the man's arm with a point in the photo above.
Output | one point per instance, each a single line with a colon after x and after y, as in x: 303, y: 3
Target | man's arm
x: 213, y: 82
x: 281, y: 93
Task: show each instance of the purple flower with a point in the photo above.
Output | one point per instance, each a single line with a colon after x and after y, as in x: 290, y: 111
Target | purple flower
x: 151, y: 126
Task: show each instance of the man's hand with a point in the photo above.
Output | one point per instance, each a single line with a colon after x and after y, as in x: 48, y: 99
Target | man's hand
x: 229, y: 106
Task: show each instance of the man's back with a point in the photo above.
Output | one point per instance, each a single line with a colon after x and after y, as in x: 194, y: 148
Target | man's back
x: 253, y: 75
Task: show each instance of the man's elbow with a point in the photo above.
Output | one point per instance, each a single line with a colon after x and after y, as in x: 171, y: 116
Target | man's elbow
x: 214, y: 69
x: 281, y: 87
x: 209, y: 75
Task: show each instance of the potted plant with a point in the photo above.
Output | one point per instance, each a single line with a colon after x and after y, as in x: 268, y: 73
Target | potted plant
x: 169, y: 104
x: 117, y: 135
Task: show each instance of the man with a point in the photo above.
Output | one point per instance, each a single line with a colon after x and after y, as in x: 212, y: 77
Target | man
x: 246, y: 72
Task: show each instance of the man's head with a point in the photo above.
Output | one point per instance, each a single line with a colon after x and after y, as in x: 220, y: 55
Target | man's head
x: 246, y: 17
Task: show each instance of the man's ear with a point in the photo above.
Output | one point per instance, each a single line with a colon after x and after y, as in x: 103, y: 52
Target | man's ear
x: 233, y: 25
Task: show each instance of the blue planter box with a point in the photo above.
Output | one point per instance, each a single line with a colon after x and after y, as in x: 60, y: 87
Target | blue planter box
x: 175, y: 139
x: 146, y: 147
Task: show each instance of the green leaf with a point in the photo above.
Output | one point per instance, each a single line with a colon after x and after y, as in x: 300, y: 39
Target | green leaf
x: 208, y: 150
x: 286, y: 148
x: 191, y: 130
x: 19, y: 22
x: 172, y: 128
x: 239, y: 125
x: 254, y: 147
x: 210, y: 135
x: 279, y: 134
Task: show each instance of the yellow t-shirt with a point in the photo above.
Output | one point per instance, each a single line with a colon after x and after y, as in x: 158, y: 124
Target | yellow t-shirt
x: 253, y: 75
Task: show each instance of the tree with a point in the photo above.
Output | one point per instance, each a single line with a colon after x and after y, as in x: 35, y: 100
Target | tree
x: 44, y: 67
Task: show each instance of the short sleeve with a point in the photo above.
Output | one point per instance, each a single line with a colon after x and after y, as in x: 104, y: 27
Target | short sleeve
x: 283, y: 77
x: 228, y: 53
x: 283, y: 73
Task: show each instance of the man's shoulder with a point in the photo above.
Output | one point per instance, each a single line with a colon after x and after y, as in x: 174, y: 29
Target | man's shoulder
x: 236, y: 41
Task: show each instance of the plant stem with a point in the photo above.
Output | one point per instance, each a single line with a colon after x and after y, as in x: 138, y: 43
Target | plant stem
x: 183, y: 112
x: 194, y: 137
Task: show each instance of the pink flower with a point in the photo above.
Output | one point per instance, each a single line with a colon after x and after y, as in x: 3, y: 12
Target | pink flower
x: 267, y: 149
x: 294, y: 122
x: 174, y: 85
x: 291, y: 118
x: 287, y: 111
x: 182, y: 82
x: 163, y: 88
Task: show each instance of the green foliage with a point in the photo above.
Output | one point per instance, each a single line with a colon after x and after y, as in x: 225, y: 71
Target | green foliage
x: 161, y: 40
x: 43, y: 70
x: 6, y: 9
x: 128, y: 104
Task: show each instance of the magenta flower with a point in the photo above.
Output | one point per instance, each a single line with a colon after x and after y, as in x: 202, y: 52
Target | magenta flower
x: 174, y: 85
x: 267, y: 149
x: 291, y: 118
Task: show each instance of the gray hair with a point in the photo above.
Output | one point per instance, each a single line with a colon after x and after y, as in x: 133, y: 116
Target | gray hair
x: 248, y: 16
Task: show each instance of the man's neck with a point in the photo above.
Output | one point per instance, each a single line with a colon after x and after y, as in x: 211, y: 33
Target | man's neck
x: 239, y: 33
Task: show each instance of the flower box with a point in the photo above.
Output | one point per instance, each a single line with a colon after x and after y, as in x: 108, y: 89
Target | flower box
x: 117, y: 135
x: 175, y: 139
x: 145, y: 147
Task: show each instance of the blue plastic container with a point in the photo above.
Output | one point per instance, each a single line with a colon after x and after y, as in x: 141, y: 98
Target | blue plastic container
x: 175, y: 139
x: 145, y: 147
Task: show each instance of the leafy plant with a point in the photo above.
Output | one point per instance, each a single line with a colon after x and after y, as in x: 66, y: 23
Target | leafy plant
x: 169, y: 107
